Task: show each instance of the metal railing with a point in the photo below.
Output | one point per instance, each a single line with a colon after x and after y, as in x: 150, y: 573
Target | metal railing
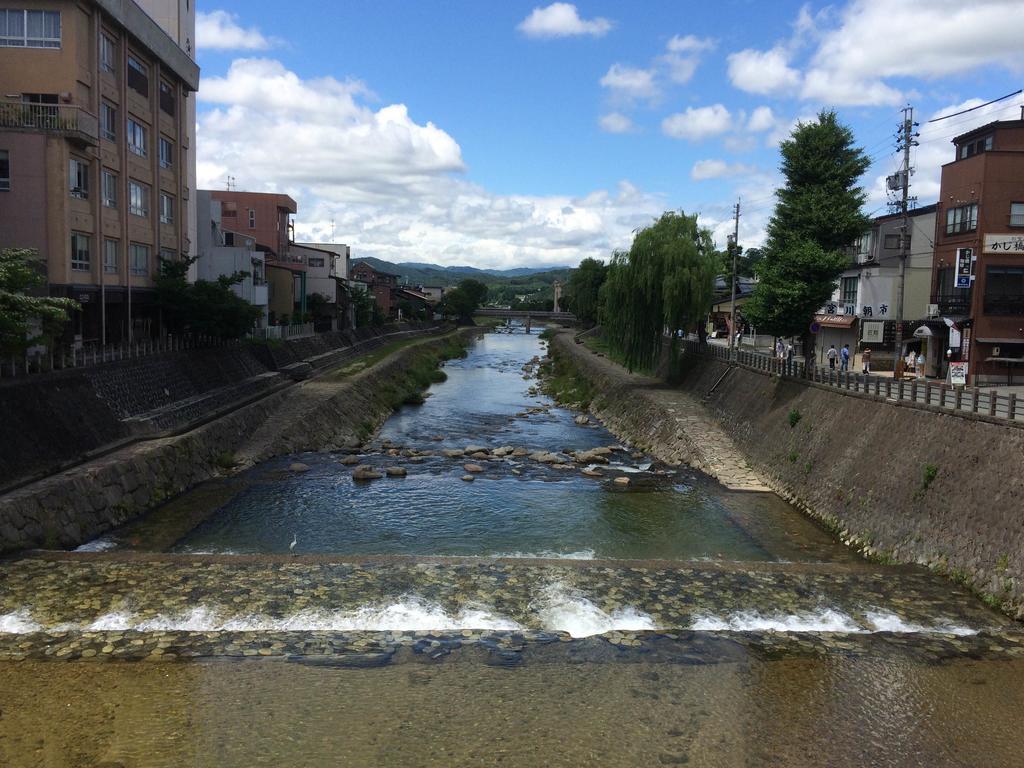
x: 912, y: 392
x: 283, y: 332
x: 66, y: 119
x: 85, y: 355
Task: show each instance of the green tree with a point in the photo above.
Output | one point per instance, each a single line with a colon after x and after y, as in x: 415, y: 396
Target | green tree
x: 21, y: 270
x: 462, y: 301
x: 818, y: 213
x: 664, y: 282
x: 585, y: 289
x: 203, y: 308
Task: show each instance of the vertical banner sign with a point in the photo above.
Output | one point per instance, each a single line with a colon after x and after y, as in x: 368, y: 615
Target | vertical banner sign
x: 964, y: 267
x: 965, y: 346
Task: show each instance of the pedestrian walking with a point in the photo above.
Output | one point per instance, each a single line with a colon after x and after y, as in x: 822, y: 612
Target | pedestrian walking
x: 780, y: 349
x: 832, y: 355
x: 865, y: 359
x: 844, y: 358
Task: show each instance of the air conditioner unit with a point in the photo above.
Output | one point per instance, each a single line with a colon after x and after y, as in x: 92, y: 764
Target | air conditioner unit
x: 933, y: 310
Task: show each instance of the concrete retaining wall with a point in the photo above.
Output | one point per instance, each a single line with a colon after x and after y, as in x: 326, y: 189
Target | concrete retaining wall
x: 80, y: 504
x: 859, y: 465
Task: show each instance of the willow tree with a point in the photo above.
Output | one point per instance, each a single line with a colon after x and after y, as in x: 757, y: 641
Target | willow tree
x: 584, y: 288
x: 663, y: 283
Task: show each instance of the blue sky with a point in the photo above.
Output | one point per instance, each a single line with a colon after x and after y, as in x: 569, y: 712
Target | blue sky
x: 511, y: 134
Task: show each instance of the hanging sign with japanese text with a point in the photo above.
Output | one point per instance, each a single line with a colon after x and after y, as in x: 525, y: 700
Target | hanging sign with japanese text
x: 964, y: 267
x: 1004, y: 244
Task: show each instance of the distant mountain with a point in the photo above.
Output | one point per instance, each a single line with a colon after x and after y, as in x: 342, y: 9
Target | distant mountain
x: 421, y: 273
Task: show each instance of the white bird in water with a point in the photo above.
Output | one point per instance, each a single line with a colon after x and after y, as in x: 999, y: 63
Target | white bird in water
x: 295, y: 540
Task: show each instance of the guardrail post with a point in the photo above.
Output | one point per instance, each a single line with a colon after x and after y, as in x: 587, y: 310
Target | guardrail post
x: 993, y: 402
x: 913, y: 391
x: 958, y: 399
x: 975, y: 404
x: 1011, y: 406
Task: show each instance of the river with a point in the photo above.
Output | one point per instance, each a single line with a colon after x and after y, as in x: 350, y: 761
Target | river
x: 539, y: 613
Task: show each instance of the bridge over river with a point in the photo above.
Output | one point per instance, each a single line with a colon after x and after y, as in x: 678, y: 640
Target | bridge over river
x: 510, y: 585
x: 528, y: 316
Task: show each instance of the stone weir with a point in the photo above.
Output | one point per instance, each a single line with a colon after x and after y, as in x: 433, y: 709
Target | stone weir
x: 130, y: 605
x: 900, y: 484
x: 337, y: 409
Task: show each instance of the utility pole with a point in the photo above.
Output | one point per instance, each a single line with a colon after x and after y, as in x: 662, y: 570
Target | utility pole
x: 734, y: 247
x: 906, y: 138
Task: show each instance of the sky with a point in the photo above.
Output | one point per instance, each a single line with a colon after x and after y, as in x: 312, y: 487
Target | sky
x: 511, y: 134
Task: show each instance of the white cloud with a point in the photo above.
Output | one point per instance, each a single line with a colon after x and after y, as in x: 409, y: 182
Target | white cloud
x: 698, y: 123
x: 764, y: 72
x: 689, y: 44
x: 221, y: 30
x: 562, y: 20
x: 719, y: 169
x: 394, y: 187
x: 630, y: 83
x: 761, y: 119
x: 616, y: 122
x: 876, y: 40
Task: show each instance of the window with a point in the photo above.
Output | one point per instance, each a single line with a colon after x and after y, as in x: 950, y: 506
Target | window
x: 166, y: 98
x: 29, y: 29
x: 79, y: 252
x: 108, y: 54
x: 78, y: 178
x: 315, y: 261
x: 138, y: 198
x: 252, y: 218
x: 110, y: 249
x: 848, y: 290
x: 108, y: 121
x: 167, y: 254
x: 1017, y: 214
x: 891, y: 242
x: 963, y: 218
x: 140, y: 259
x: 229, y: 209
x: 976, y: 147
x: 138, y: 76
x: 5, y: 171
x: 166, y: 209
x: 1004, y: 290
x: 136, y: 138
x: 166, y: 153
x: 109, y: 189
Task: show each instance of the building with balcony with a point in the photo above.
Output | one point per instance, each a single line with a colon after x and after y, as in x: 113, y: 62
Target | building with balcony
x: 94, y: 152
x: 266, y: 218
x: 863, y: 309
x: 222, y: 253
x: 978, y: 274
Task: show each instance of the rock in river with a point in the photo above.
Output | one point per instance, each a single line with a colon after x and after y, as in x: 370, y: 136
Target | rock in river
x: 350, y: 461
x: 474, y: 468
x: 396, y: 471
x: 621, y: 481
x: 365, y: 472
x: 468, y: 478
x: 298, y: 466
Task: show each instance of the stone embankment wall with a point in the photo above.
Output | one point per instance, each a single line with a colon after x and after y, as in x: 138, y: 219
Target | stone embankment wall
x: 52, y: 420
x: 899, y: 483
x: 79, y: 504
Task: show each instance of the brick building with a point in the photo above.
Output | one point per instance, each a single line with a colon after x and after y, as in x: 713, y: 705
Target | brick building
x: 381, y: 284
x: 94, y: 154
x: 978, y: 270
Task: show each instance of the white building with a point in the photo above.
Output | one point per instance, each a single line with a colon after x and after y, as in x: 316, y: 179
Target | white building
x: 862, y: 310
x: 225, y: 253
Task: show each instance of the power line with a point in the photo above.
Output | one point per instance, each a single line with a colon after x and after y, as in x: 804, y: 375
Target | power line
x: 965, y: 111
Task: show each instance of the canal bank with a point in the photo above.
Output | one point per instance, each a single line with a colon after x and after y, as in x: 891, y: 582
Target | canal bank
x: 340, y: 408
x: 899, y: 484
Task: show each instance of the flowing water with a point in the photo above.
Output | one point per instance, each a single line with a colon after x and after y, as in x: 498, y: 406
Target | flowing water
x: 535, y: 615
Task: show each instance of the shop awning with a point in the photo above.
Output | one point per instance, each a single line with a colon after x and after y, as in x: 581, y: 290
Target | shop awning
x: 835, y: 321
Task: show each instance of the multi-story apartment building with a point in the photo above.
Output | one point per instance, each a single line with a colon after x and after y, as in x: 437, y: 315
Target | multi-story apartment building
x: 178, y: 19
x: 862, y: 311
x: 978, y: 276
x: 267, y: 218
x: 95, y: 100
x: 223, y: 253
x: 381, y: 284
